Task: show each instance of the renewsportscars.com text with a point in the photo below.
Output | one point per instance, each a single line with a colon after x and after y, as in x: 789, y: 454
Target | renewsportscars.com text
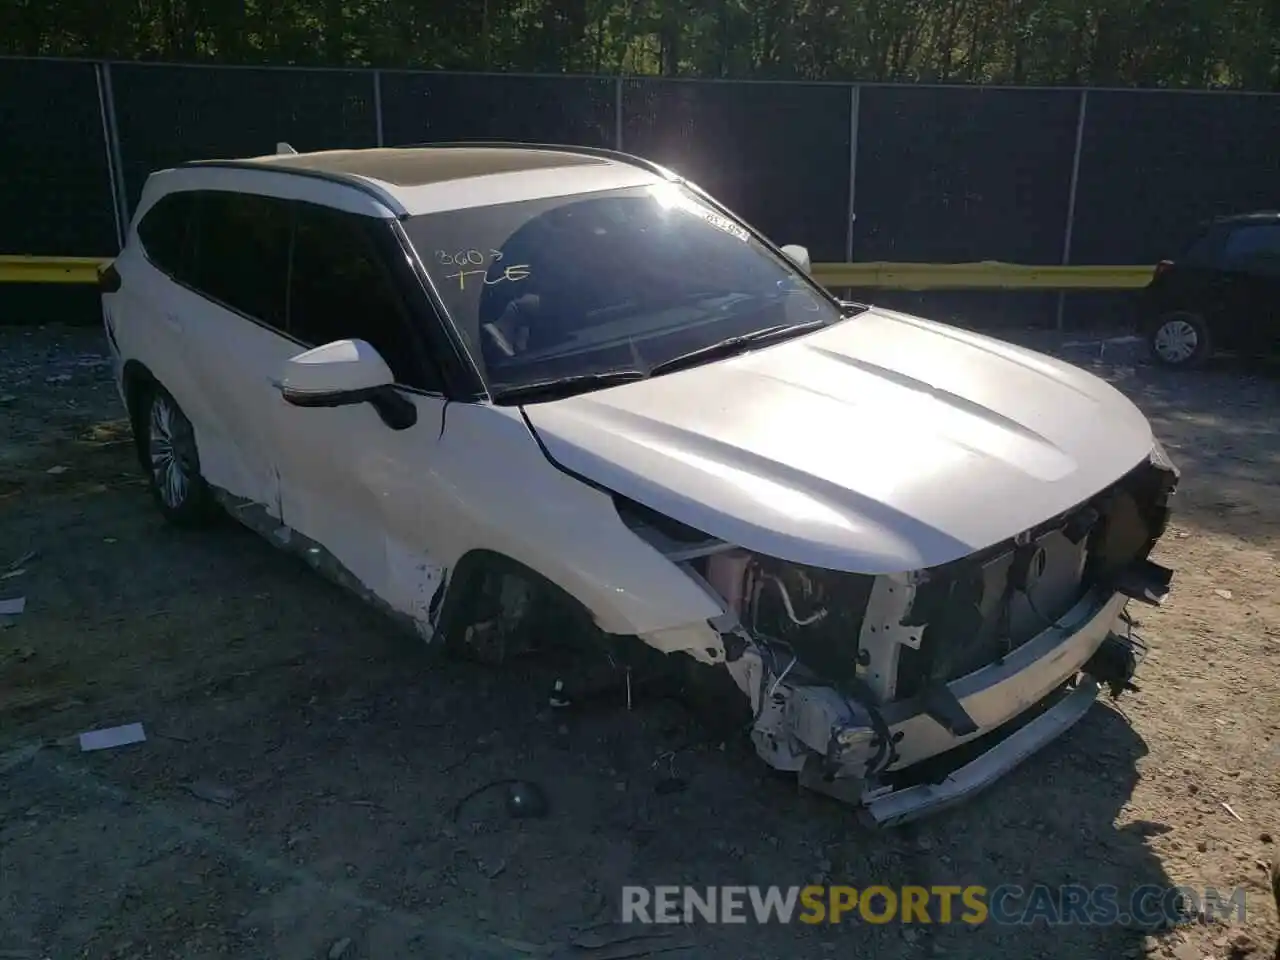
x: 1007, y: 904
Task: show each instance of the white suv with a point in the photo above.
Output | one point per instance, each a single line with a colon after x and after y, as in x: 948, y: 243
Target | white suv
x: 473, y: 381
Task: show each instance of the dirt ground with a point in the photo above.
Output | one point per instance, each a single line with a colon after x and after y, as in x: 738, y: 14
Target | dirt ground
x: 293, y: 798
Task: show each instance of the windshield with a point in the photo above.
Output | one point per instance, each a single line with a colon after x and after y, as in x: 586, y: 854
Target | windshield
x: 592, y: 286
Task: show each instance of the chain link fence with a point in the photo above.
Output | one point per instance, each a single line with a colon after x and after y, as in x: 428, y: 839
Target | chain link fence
x: 933, y: 174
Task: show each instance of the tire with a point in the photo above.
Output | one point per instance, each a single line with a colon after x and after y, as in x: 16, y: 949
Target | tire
x: 167, y: 448
x: 1180, y: 339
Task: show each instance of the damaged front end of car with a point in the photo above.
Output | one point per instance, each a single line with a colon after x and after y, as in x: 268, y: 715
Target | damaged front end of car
x: 905, y: 693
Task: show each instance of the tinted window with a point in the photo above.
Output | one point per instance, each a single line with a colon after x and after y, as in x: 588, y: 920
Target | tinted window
x: 1203, y: 251
x: 341, y: 289
x: 1254, y: 248
x: 242, y: 253
x: 569, y: 286
x: 166, y: 235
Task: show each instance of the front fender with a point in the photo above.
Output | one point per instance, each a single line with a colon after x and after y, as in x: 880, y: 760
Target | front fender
x: 503, y: 495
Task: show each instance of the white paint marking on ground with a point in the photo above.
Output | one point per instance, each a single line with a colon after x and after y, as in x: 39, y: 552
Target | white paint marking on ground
x: 109, y: 737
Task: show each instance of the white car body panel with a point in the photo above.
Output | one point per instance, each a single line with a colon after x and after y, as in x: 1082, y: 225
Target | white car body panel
x: 505, y: 187
x: 217, y: 365
x: 882, y: 444
x: 400, y: 508
x: 268, y: 183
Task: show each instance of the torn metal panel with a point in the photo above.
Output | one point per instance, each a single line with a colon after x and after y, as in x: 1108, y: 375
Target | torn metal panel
x: 413, y: 582
x: 259, y: 519
x: 698, y: 640
x: 884, y: 634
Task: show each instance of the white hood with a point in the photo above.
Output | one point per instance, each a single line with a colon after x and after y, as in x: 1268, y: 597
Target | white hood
x: 882, y: 444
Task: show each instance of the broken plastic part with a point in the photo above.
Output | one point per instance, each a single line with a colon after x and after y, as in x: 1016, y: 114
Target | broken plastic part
x: 1146, y: 581
x: 1115, y: 662
x: 942, y: 705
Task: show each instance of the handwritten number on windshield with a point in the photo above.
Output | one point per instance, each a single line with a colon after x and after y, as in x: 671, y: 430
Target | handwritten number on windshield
x: 467, y: 258
x: 513, y: 274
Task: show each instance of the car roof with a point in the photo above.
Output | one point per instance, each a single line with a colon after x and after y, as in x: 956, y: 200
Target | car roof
x: 419, y: 166
x: 408, y: 181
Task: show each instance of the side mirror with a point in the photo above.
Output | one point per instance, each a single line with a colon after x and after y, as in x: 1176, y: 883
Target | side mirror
x: 344, y: 373
x: 798, y: 255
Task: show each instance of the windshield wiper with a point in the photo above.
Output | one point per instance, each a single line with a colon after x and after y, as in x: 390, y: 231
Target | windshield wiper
x: 724, y: 348
x: 558, y: 387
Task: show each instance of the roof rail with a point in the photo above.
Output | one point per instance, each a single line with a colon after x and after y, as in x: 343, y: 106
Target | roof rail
x: 1251, y: 215
x: 602, y: 152
x: 367, y: 187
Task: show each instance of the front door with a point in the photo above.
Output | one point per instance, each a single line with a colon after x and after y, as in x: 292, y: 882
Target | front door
x: 1251, y: 262
x: 355, y: 486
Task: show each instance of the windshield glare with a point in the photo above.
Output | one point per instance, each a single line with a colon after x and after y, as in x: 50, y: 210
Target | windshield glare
x: 592, y: 283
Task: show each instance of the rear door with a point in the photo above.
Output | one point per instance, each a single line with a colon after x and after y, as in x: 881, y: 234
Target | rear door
x: 1251, y: 261
x: 146, y: 283
x: 233, y: 325
x: 202, y: 304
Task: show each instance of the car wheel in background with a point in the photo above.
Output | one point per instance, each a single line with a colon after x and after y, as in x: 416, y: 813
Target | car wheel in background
x: 169, y: 455
x: 1180, y: 339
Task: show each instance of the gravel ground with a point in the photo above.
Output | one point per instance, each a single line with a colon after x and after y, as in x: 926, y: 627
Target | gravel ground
x: 294, y: 795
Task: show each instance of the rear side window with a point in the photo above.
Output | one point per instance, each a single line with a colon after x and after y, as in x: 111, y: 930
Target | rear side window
x: 1203, y: 250
x: 341, y: 289
x: 1255, y: 247
x: 166, y: 234
x: 242, y: 253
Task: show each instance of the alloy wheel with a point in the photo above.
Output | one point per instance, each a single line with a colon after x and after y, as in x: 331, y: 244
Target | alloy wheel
x: 172, y: 451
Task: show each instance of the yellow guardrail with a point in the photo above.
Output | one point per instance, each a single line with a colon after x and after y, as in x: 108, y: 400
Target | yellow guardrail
x: 51, y: 269
x: 988, y: 275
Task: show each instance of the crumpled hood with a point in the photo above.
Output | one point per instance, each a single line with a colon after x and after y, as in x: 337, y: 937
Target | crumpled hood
x: 881, y: 444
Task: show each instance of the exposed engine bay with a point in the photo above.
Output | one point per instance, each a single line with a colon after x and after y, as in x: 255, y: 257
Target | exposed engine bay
x: 855, y: 679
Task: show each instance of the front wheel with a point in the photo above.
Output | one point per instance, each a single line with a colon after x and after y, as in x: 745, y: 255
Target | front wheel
x: 172, y: 462
x: 1180, y: 340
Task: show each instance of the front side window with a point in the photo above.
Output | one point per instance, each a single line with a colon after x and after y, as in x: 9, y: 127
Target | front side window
x: 1254, y: 248
x: 242, y: 253
x: 626, y: 280
x: 341, y: 289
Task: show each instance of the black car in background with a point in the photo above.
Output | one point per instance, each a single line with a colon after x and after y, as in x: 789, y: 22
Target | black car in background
x: 1222, y: 292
